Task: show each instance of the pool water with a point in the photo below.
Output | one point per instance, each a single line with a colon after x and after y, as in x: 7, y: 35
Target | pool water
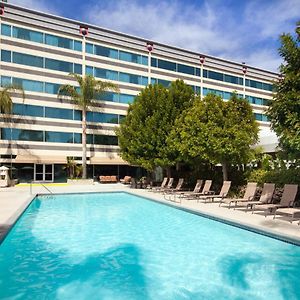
x: 118, y: 246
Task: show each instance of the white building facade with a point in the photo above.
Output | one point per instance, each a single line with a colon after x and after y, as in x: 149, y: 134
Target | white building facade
x: 39, y: 50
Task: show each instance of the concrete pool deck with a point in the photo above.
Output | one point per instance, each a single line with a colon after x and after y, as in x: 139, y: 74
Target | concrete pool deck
x: 14, y: 200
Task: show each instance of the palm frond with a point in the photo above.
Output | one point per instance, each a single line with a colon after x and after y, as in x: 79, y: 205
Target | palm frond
x: 15, y: 88
x: 6, y: 103
x: 68, y: 91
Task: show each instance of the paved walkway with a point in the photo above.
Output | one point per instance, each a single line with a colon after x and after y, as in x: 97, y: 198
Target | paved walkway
x: 14, y: 200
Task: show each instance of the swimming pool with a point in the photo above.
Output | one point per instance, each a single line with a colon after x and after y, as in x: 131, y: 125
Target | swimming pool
x: 119, y: 246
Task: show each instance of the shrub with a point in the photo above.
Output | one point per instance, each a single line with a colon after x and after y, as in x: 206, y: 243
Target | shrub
x: 279, y: 177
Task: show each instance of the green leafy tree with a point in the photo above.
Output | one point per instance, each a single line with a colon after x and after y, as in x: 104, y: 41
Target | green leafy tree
x: 216, y: 131
x: 149, y: 121
x: 89, y: 90
x: 284, y: 110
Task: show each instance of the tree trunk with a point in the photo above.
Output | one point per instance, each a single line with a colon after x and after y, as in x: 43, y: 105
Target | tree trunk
x: 168, y: 169
x: 225, y: 170
x: 84, y: 144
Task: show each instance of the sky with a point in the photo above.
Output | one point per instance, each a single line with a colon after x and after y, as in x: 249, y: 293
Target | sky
x: 240, y: 30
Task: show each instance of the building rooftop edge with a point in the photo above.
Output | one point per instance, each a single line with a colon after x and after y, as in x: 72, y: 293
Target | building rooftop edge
x: 5, y: 4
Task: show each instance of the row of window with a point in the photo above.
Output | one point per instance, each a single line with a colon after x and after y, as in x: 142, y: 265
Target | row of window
x: 117, y: 76
x: 40, y: 62
x: 259, y: 85
x: 181, y: 68
x: 116, y: 54
x: 261, y: 117
x: 40, y: 37
x: 62, y: 42
x: 227, y: 95
x: 166, y: 83
x: 64, y: 113
x: 52, y: 88
x: 55, y: 137
x: 222, y: 94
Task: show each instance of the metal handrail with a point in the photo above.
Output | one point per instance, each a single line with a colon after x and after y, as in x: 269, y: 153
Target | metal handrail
x: 41, y: 185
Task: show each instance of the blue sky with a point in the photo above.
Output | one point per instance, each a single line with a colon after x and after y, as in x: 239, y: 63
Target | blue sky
x: 239, y: 30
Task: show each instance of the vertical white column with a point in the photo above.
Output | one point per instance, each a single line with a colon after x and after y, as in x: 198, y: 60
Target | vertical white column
x: 83, y: 55
x: 149, y: 68
x: 202, y: 60
x: 201, y: 81
x: 149, y: 47
x: 244, y: 80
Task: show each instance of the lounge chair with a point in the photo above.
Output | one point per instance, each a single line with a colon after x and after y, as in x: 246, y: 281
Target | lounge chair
x: 287, y: 200
x: 196, y: 190
x: 248, y: 196
x: 176, y: 189
x: 265, y: 197
x: 173, y: 192
x: 223, y: 193
x: 126, y: 180
x: 292, y: 212
x: 205, y: 191
x: 167, y: 186
x: 163, y: 184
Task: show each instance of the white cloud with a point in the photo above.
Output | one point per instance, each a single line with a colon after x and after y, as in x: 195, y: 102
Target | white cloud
x: 210, y: 27
x: 40, y: 5
x: 273, y: 17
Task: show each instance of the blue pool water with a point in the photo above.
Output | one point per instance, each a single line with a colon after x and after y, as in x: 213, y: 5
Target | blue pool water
x: 118, y: 246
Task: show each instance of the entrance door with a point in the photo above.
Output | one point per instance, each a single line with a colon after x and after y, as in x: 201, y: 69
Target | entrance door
x: 44, y: 172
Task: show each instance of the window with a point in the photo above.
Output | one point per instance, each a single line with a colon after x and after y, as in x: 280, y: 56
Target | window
x: 215, y: 75
x: 89, y: 48
x: 58, y: 137
x: 89, y: 70
x: 101, y: 117
x: 154, y: 62
x: 186, y: 69
x: 5, y: 56
x: 77, y: 138
x: 77, y: 115
x: 5, y: 80
x: 77, y: 69
x: 144, y: 60
x: 105, y: 51
x: 259, y: 85
x: 167, y: 65
x: 58, y: 113
x: 58, y: 65
x: 233, y: 79
x: 105, y: 140
x: 107, y: 118
x: 51, y: 88
x: 163, y: 82
x: 131, y: 57
x: 109, y: 96
x: 124, y: 98
x: 107, y: 74
x: 29, y: 85
x: 125, y: 77
x: 28, y: 110
x: 28, y: 60
x: 77, y: 45
x: 29, y: 35
x: 58, y: 41
x: 6, y: 30
x: 21, y: 134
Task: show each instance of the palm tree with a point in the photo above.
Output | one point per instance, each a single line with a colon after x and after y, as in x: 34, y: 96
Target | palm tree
x: 90, y: 89
x: 6, y: 103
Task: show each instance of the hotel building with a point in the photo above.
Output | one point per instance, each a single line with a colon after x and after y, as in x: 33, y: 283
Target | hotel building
x: 39, y: 50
